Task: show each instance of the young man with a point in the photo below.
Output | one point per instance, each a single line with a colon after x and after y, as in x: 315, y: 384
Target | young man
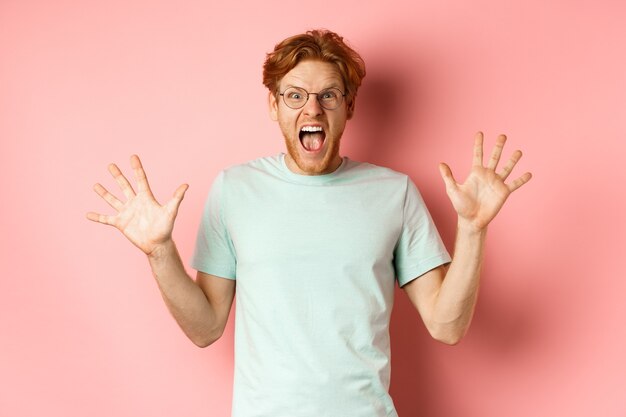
x: 314, y: 243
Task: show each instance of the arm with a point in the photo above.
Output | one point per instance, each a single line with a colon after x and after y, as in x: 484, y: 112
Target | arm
x: 200, y: 307
x: 446, y: 297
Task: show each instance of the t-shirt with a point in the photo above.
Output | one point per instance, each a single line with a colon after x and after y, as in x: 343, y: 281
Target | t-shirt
x: 315, y: 259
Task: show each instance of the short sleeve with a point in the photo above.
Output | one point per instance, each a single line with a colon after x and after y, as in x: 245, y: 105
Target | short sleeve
x: 419, y: 248
x: 214, y: 252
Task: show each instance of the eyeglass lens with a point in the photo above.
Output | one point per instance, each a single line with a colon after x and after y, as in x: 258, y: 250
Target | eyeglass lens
x: 296, y: 97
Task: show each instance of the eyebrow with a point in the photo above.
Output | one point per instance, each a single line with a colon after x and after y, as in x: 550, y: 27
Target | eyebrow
x: 334, y: 85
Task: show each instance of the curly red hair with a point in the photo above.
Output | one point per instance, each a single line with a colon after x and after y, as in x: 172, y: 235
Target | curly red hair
x: 322, y: 45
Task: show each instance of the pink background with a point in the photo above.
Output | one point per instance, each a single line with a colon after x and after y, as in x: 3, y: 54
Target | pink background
x: 84, y: 330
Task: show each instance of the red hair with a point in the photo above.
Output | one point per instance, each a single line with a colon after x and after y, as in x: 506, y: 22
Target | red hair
x: 322, y: 45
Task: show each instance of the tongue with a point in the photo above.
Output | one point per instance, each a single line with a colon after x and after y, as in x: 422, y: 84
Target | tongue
x: 312, y: 141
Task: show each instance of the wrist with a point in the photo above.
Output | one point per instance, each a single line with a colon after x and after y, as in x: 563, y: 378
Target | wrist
x: 162, y: 250
x: 470, y: 228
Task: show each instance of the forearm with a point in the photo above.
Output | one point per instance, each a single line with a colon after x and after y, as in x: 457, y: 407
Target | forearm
x: 456, y: 298
x: 450, y: 300
x: 183, y: 296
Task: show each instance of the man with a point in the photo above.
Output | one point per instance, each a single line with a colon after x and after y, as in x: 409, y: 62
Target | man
x: 313, y: 243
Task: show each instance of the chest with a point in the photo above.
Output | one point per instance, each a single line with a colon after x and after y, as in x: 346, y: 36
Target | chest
x: 310, y: 224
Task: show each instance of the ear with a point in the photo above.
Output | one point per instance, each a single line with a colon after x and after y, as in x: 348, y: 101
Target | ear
x: 273, y: 106
x: 350, y: 108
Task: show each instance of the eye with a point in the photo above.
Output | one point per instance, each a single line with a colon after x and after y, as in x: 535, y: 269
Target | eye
x: 294, y: 95
x: 328, y: 95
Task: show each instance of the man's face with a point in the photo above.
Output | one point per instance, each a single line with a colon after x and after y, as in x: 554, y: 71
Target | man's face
x: 312, y: 133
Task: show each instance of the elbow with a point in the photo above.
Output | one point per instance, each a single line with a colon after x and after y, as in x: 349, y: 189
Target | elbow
x: 450, y: 340
x: 206, y: 339
x: 447, y: 335
x: 202, y: 343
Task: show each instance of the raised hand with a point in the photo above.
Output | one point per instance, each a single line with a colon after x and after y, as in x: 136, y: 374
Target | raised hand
x: 481, y: 196
x: 145, y: 222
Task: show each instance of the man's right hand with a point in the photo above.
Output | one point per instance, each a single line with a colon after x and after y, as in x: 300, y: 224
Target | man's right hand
x: 145, y: 222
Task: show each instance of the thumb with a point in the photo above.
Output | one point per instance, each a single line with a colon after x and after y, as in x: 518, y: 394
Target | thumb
x: 447, y: 176
x: 179, y: 194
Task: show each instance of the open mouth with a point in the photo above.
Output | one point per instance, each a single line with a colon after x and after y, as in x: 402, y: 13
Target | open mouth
x: 312, y: 138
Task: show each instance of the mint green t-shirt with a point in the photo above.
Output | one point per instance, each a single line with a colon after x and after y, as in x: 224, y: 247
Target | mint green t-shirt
x: 315, y: 259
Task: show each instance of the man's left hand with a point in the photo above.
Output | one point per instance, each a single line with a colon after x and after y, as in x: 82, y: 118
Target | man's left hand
x: 482, y: 195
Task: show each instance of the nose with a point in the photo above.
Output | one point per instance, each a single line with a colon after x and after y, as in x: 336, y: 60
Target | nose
x: 313, y: 107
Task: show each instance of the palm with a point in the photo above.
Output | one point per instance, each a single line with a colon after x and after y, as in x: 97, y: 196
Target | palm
x: 479, y: 199
x: 144, y: 221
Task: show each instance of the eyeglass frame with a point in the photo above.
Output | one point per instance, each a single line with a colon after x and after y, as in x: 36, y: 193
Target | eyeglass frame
x: 342, y: 95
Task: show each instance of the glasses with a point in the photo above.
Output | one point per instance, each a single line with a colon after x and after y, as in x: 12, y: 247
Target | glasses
x: 296, y: 97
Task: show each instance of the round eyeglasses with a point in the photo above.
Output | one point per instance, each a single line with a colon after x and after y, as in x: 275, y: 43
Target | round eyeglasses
x: 296, y: 97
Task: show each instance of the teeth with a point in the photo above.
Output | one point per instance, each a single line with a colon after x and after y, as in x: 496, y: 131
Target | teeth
x: 312, y: 129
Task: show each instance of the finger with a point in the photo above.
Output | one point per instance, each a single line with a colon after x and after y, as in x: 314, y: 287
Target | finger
x: 101, y: 218
x: 140, y: 175
x: 446, y: 174
x: 497, y: 152
x: 108, y: 197
x: 504, y: 173
x: 179, y: 194
x: 121, y: 180
x: 478, y: 149
x: 514, y: 185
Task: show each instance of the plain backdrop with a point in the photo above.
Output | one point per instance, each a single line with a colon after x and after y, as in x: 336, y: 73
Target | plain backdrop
x: 84, y: 83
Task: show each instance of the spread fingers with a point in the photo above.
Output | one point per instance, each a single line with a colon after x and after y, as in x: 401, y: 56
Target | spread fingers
x: 121, y: 180
x: 108, y: 197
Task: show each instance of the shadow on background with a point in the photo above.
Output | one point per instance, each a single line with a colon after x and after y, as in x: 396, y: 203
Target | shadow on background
x: 383, y: 130
x: 377, y: 131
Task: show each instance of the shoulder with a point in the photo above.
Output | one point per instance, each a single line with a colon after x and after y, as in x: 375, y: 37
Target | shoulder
x: 258, y: 164
x: 250, y: 169
x: 372, y: 172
